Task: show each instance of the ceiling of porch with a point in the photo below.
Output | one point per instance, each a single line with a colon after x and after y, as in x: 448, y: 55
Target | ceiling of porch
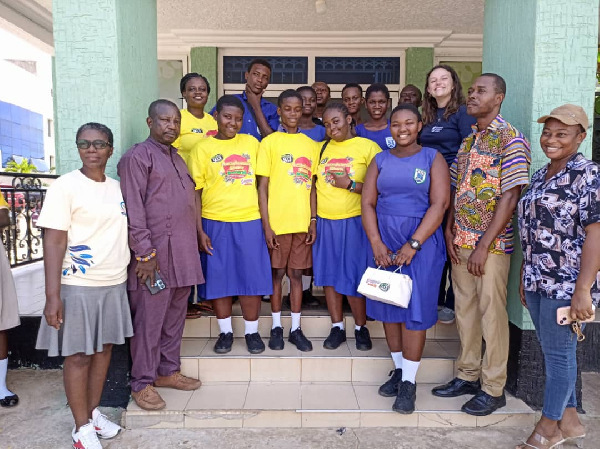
x: 459, y: 16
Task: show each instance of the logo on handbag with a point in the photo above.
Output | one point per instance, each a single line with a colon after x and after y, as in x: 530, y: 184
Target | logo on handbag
x: 287, y: 158
x: 390, y: 142
x: 420, y: 176
x: 384, y: 287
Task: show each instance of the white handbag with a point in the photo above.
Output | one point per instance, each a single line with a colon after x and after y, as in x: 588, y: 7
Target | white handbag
x: 390, y: 287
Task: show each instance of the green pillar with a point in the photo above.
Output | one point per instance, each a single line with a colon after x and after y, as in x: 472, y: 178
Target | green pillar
x: 105, y: 71
x: 546, y: 53
x: 419, y: 61
x: 203, y: 60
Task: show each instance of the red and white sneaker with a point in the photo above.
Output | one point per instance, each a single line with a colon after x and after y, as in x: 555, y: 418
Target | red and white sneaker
x: 86, y: 438
x: 104, y: 428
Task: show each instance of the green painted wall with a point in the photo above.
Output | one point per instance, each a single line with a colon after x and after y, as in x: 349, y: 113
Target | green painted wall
x: 467, y: 72
x: 203, y: 60
x: 419, y: 61
x: 547, y: 55
x: 105, y: 71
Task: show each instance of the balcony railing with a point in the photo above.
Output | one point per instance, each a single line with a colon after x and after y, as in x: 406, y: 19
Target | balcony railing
x: 24, y: 193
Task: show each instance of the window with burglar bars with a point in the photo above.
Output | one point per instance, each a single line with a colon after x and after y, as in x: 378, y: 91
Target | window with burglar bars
x: 365, y: 70
x: 284, y: 69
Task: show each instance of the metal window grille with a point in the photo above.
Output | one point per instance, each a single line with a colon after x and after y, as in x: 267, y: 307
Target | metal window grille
x: 336, y: 70
x: 284, y: 69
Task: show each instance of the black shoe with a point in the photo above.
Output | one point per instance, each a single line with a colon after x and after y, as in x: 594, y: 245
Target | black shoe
x: 336, y: 337
x: 390, y: 388
x: 276, y: 339
x: 405, y: 400
x: 309, y: 300
x: 302, y: 343
x: 9, y: 401
x: 456, y: 387
x: 254, y: 343
x: 482, y: 404
x: 266, y: 298
x: 363, y: 339
x: 224, y: 343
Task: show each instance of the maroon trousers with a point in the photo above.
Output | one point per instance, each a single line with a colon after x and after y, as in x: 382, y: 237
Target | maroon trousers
x: 158, y: 322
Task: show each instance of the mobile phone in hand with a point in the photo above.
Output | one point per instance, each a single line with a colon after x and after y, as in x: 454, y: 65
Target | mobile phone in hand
x: 158, y: 285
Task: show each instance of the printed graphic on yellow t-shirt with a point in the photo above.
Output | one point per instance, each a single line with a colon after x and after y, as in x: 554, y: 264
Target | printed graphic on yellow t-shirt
x: 225, y: 171
x: 351, y: 157
x: 289, y: 161
x: 192, y: 131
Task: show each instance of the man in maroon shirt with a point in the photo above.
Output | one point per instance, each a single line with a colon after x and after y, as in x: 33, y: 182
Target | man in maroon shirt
x: 159, y: 195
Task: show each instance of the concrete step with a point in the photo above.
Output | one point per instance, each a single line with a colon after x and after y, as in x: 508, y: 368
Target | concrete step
x: 312, y: 404
x: 315, y: 324
x: 345, y: 364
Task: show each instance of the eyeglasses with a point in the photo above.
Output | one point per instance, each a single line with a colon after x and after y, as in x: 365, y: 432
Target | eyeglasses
x: 98, y: 144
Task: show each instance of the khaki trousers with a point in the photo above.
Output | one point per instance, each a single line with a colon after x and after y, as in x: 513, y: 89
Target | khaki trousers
x: 481, y: 313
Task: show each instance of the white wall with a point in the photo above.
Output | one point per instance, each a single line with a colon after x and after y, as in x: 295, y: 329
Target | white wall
x: 24, y: 89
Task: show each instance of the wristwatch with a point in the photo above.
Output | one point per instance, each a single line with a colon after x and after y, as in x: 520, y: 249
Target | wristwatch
x: 352, y: 187
x: 415, y: 244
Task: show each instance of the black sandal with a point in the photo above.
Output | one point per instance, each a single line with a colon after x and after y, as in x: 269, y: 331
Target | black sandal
x: 9, y: 401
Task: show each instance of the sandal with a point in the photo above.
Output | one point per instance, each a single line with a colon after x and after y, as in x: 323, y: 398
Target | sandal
x: 542, y: 442
x: 577, y: 439
x: 193, y: 312
x: 9, y: 401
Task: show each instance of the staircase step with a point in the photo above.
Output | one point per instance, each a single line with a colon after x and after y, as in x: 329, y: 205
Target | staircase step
x: 312, y: 404
x: 313, y: 326
x: 344, y: 364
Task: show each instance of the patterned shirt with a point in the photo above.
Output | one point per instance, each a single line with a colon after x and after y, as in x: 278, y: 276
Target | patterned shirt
x: 488, y: 164
x: 553, y: 216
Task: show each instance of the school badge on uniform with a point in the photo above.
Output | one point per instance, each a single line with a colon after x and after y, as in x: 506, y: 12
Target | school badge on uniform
x: 390, y: 142
x: 420, y: 176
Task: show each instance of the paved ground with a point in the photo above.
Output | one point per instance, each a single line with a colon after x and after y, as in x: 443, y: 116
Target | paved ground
x: 43, y: 420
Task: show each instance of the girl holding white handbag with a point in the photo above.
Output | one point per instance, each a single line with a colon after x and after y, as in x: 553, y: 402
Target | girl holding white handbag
x: 405, y: 195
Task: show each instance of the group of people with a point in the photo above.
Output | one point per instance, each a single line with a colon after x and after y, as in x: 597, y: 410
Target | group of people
x: 236, y: 199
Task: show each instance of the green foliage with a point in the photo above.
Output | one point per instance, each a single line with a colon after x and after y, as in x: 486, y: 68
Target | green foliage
x: 23, y: 167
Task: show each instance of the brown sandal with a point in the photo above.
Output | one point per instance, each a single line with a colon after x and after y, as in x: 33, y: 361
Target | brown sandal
x: 541, y: 442
x: 193, y: 312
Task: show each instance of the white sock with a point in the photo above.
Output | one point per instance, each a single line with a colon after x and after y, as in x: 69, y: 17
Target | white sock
x: 250, y: 327
x: 276, y: 319
x: 295, y: 321
x: 397, y: 358
x: 340, y: 325
x: 225, y: 325
x: 409, y: 370
x: 357, y: 327
x: 306, y: 281
x: 4, y: 392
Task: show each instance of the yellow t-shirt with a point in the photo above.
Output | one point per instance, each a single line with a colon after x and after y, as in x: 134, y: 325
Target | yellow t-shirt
x: 3, y: 203
x: 193, y: 130
x: 289, y: 160
x: 352, y: 156
x: 225, y: 171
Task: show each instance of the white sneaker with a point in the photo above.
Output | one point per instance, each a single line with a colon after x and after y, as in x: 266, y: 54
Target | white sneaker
x: 86, y: 438
x: 104, y: 428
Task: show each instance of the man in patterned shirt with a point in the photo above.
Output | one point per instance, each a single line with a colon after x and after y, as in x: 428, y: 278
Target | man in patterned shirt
x: 487, y: 176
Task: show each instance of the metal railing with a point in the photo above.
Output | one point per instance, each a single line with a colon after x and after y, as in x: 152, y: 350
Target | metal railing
x: 24, y: 193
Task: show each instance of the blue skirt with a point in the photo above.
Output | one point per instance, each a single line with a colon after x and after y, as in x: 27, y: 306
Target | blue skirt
x: 425, y: 270
x: 340, y: 254
x: 240, y: 264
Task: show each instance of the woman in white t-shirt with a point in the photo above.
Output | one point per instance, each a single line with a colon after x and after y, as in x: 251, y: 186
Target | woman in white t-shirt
x: 85, y: 262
